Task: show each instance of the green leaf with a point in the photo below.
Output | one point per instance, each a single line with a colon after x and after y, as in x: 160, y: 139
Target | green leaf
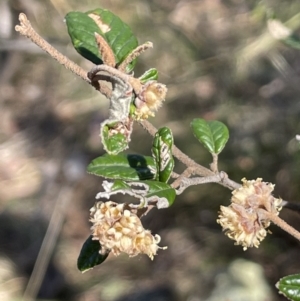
x: 89, y: 255
x: 119, y: 185
x: 81, y: 28
x: 160, y: 190
x: 212, y: 134
x: 119, y: 36
x: 150, y: 74
x: 113, y: 142
x: 162, y: 153
x: 124, y: 167
x: 289, y: 286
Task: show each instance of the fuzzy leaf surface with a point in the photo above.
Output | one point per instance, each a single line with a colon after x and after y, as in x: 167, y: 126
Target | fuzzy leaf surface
x: 212, y: 134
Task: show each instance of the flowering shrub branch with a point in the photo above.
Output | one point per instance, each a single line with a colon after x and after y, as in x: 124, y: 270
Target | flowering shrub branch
x: 117, y: 227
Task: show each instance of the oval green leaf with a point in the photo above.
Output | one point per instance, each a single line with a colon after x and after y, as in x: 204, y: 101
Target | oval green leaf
x: 124, y: 167
x: 82, y: 26
x: 89, y: 255
x: 289, y: 286
x: 212, y: 134
x: 81, y: 29
x: 150, y: 74
x: 162, y: 191
x: 118, y: 35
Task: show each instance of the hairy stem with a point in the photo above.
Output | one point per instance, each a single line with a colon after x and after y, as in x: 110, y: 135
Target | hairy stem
x: 221, y: 178
x: 283, y: 225
x: 214, y: 164
x: 186, y: 174
x: 186, y: 182
x: 113, y: 72
x: 26, y: 30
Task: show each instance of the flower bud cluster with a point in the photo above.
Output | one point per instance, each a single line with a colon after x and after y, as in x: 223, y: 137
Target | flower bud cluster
x: 119, y: 230
x: 244, y: 220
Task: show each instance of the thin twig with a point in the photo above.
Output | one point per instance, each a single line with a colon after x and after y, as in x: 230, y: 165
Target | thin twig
x: 26, y: 30
x: 186, y: 174
x: 227, y: 182
x: 221, y: 178
x: 214, y: 164
x: 187, y: 182
x: 98, y: 83
x: 113, y: 72
x: 282, y: 224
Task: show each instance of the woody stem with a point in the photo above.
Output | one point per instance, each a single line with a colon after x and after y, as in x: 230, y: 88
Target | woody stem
x: 27, y: 30
x: 282, y: 224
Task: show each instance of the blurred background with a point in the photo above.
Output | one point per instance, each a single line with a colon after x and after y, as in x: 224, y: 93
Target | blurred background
x: 219, y: 62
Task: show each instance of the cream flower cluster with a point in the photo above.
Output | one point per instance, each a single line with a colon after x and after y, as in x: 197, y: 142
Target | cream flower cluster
x: 119, y: 230
x: 244, y: 221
